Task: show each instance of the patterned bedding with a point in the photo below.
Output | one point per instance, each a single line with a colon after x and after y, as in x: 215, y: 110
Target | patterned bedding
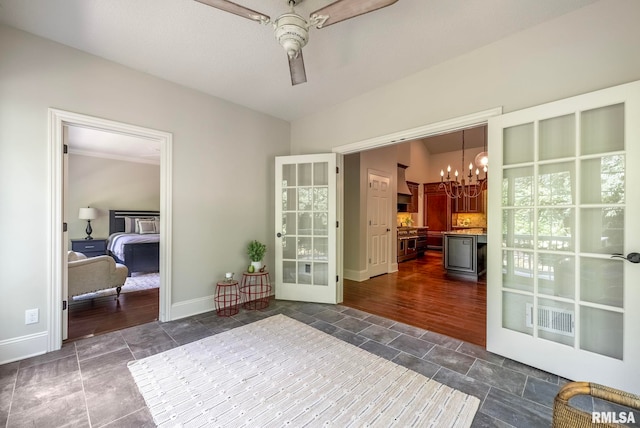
x: 116, y: 241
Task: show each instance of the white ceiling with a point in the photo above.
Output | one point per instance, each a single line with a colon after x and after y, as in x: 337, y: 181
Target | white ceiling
x: 238, y: 60
x: 110, y: 145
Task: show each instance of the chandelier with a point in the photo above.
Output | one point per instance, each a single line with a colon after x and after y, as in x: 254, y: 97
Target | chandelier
x: 470, y: 186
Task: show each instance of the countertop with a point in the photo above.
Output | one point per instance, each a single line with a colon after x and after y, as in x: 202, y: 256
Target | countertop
x: 476, y: 231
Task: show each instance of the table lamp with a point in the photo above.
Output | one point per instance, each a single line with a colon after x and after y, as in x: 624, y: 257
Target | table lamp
x: 88, y: 214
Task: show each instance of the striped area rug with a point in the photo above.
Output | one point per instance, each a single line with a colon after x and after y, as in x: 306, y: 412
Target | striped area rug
x: 280, y: 372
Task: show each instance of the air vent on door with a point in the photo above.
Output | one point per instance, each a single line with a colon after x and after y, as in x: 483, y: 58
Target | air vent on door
x: 554, y: 320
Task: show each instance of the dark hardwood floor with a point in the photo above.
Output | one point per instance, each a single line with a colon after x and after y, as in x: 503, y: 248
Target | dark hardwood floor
x: 421, y: 294
x: 104, y: 314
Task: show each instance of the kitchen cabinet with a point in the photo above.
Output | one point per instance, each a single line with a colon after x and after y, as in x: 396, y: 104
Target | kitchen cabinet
x: 465, y: 254
x: 469, y: 205
x: 413, y: 205
x: 437, y: 214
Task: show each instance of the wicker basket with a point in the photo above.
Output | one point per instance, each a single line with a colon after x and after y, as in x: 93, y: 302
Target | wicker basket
x: 566, y: 416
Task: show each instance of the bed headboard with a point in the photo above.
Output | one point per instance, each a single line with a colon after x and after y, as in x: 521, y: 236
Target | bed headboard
x: 116, y: 218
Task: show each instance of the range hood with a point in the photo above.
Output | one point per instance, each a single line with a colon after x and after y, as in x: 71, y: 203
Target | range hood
x: 403, y: 189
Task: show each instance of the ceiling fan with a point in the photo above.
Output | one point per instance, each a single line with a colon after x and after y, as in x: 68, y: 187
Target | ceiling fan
x: 292, y: 30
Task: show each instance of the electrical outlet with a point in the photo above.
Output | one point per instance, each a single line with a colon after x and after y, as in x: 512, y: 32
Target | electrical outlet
x: 31, y: 316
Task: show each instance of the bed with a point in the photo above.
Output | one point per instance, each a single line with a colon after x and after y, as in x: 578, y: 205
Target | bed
x: 134, y: 239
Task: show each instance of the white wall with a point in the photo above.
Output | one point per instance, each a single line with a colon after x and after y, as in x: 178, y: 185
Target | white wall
x: 592, y: 48
x: 107, y: 184
x: 223, y: 173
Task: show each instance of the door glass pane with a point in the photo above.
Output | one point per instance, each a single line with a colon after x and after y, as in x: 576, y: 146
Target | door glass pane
x: 320, y: 199
x: 517, y: 270
x: 288, y: 175
x: 602, y: 230
x: 289, y: 223
x: 320, y: 274
x: 556, y: 275
x: 305, y: 198
x: 601, y: 281
x: 555, y: 229
x: 305, y: 172
x: 556, y: 184
x: 517, y: 228
x: 288, y: 199
x: 320, y: 249
x: 601, y: 331
x: 517, y: 187
x: 557, y: 137
x: 289, y: 248
x: 304, y: 224
x: 603, y: 180
x: 556, y: 321
x: 518, y: 144
x: 602, y: 130
x: 515, y: 315
x: 320, y: 174
x: 320, y: 224
x: 304, y: 273
x: 305, y: 248
x: 289, y: 271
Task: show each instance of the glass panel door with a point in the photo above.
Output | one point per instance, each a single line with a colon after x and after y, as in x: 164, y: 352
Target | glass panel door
x: 306, y: 241
x: 562, y: 188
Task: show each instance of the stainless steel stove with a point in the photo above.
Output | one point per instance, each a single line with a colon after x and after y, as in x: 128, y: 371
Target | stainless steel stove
x: 407, y: 243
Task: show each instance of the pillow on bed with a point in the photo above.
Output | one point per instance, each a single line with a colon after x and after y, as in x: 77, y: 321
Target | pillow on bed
x: 129, y: 225
x: 157, y: 221
x: 144, y: 226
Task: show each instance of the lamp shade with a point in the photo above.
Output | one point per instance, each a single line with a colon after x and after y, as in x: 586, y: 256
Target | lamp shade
x: 88, y: 214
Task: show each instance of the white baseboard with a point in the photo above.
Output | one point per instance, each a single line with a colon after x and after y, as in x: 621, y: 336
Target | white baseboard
x: 362, y: 275
x: 355, y: 275
x: 193, y: 307
x: 19, y: 348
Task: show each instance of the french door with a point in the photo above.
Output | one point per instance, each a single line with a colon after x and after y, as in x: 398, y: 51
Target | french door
x: 306, y: 243
x: 563, y: 204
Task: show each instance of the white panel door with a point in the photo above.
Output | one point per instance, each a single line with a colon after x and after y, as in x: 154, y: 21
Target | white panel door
x: 306, y: 228
x: 379, y: 228
x: 562, y: 201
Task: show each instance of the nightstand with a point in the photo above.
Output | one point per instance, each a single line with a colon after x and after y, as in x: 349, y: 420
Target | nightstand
x: 90, y: 247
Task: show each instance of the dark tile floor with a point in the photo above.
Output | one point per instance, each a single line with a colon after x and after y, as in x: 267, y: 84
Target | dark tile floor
x: 87, y: 383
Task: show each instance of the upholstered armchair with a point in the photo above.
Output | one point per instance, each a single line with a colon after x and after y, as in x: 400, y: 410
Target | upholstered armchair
x: 87, y: 275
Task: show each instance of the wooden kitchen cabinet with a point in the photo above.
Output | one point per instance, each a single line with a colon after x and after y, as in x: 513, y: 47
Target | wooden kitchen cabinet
x: 469, y: 205
x: 413, y: 206
x: 437, y: 214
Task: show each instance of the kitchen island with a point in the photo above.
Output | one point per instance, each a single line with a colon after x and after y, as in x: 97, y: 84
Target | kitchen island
x: 464, y: 252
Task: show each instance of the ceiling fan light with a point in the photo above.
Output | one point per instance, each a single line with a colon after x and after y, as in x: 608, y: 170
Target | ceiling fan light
x: 291, y: 31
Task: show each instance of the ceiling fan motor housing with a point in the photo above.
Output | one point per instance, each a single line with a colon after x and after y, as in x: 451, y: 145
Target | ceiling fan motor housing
x: 292, y: 32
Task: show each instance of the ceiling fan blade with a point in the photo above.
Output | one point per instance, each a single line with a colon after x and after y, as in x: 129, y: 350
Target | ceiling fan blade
x: 236, y: 9
x: 344, y: 9
x: 296, y: 67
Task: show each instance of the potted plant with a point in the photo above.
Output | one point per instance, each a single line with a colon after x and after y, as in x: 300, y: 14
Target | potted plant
x: 256, y: 251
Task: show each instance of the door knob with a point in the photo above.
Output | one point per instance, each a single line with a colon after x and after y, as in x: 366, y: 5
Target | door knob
x: 279, y: 235
x: 388, y: 230
x: 631, y: 257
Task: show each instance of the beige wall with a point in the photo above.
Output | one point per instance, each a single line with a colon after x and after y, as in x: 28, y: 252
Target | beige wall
x: 107, y: 184
x: 592, y: 48
x: 223, y: 171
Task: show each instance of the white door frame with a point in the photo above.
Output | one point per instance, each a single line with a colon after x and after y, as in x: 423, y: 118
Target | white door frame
x: 428, y: 130
x: 58, y: 119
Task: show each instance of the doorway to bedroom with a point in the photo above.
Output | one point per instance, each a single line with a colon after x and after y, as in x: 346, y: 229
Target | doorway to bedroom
x: 98, y: 166
x: 106, y: 173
